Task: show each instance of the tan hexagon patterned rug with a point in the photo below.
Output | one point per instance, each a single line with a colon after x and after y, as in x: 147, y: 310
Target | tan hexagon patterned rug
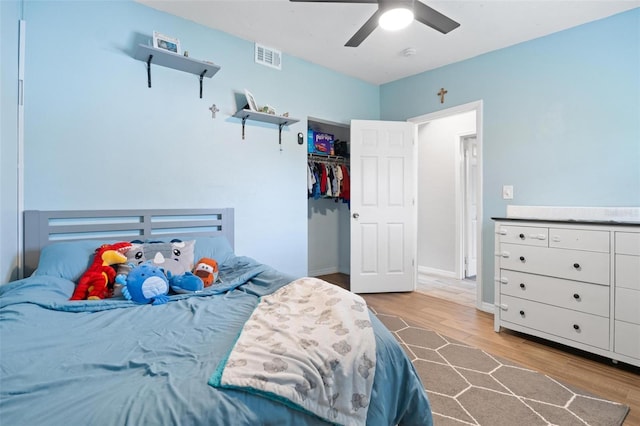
x: 468, y: 386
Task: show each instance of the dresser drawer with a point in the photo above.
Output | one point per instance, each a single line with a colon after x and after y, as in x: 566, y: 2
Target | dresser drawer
x: 628, y: 243
x: 570, y: 264
x: 627, y: 339
x: 628, y: 271
x: 579, y: 239
x: 584, y: 328
x: 527, y: 235
x: 579, y: 296
x: 628, y: 305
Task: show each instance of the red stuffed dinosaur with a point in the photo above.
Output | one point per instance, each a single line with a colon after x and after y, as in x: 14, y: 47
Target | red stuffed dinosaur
x: 97, y: 281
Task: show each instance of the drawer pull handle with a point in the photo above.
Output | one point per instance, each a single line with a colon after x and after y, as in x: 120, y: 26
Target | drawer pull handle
x: 521, y: 258
x: 502, y: 232
x: 576, y: 327
x: 576, y: 265
x: 522, y: 286
x: 541, y: 236
x: 576, y: 296
x: 521, y: 236
x: 521, y: 313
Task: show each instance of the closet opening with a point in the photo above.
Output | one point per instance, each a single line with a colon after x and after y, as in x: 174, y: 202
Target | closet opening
x: 328, y: 214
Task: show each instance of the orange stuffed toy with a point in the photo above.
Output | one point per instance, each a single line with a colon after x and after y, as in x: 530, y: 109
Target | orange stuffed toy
x: 97, y: 281
x: 207, y: 270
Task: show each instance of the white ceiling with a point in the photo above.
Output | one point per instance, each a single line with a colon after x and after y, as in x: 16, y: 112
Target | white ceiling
x: 317, y: 32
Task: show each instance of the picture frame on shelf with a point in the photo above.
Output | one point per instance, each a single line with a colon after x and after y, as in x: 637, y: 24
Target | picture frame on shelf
x: 164, y: 42
x: 251, y: 101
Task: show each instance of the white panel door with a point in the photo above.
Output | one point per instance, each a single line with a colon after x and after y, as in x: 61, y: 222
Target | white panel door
x: 383, y: 208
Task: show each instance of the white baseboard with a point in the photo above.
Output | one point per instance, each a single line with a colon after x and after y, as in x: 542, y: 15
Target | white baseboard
x: 489, y: 308
x: 323, y: 271
x: 425, y: 270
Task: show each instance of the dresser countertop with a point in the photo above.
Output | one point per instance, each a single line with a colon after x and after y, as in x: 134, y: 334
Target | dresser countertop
x: 570, y: 222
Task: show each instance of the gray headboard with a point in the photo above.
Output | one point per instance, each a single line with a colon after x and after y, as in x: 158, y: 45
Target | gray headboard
x: 42, y: 227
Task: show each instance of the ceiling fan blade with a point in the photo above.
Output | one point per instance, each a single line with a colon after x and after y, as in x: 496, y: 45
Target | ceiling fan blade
x: 364, y: 31
x: 433, y: 18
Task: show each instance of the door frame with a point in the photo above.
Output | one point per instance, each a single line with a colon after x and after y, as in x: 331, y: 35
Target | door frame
x: 476, y: 106
x: 461, y: 207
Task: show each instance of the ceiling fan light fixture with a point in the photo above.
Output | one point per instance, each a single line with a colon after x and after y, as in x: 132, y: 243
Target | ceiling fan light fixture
x: 396, y: 19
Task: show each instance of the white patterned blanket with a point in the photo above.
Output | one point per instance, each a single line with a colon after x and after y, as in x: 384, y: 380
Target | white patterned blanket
x: 309, y: 345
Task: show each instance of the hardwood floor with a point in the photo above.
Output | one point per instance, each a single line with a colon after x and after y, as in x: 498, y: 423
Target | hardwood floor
x: 620, y: 383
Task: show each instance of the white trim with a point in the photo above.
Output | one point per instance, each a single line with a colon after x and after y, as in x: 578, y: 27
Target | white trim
x: 479, y: 107
x: 426, y: 270
x: 323, y: 271
x: 20, y: 171
x: 476, y: 106
x: 460, y: 202
x: 489, y: 308
x: 471, y: 106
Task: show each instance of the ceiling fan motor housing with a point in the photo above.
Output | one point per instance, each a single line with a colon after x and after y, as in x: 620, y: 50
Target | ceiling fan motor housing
x: 384, y: 5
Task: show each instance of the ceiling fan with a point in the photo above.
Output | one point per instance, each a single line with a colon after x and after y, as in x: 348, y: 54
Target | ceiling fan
x: 394, y: 15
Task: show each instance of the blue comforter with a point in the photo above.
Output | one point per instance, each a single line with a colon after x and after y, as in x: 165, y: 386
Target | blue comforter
x: 114, y: 362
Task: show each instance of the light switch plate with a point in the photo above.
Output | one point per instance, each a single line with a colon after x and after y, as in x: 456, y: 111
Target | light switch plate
x: 507, y: 192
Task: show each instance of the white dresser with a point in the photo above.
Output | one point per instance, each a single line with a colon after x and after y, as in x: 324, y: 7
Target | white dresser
x: 575, y: 283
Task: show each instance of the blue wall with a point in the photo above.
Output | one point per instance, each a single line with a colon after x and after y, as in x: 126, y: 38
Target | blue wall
x: 561, y: 122
x: 561, y: 118
x: 97, y: 138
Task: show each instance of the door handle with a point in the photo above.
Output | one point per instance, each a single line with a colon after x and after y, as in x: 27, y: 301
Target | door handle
x: 356, y: 215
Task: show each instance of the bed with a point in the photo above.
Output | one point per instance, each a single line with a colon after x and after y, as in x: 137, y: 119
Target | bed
x: 185, y: 362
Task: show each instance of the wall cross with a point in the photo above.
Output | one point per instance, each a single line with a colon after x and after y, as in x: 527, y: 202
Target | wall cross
x: 441, y: 93
x: 213, y: 108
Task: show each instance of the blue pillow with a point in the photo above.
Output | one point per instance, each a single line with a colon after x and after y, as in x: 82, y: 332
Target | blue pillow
x: 68, y: 259
x: 217, y: 248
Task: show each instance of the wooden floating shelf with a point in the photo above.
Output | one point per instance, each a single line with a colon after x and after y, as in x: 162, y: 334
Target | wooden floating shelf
x: 153, y: 55
x: 248, y: 114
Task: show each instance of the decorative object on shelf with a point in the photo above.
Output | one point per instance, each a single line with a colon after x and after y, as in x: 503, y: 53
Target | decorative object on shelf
x: 281, y: 121
x: 170, y: 44
x: 213, y: 108
x: 267, y: 109
x: 251, y: 101
x: 168, y: 59
x: 441, y: 93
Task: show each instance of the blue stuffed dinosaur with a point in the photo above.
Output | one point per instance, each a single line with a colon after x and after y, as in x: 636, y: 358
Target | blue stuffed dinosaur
x: 145, y: 283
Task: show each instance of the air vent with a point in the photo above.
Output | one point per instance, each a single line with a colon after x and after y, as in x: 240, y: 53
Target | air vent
x: 268, y: 56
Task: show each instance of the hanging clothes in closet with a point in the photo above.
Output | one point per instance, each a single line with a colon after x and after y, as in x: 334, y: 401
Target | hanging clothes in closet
x: 328, y: 179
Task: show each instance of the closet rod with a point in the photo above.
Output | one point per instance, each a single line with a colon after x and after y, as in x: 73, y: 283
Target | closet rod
x: 327, y: 159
